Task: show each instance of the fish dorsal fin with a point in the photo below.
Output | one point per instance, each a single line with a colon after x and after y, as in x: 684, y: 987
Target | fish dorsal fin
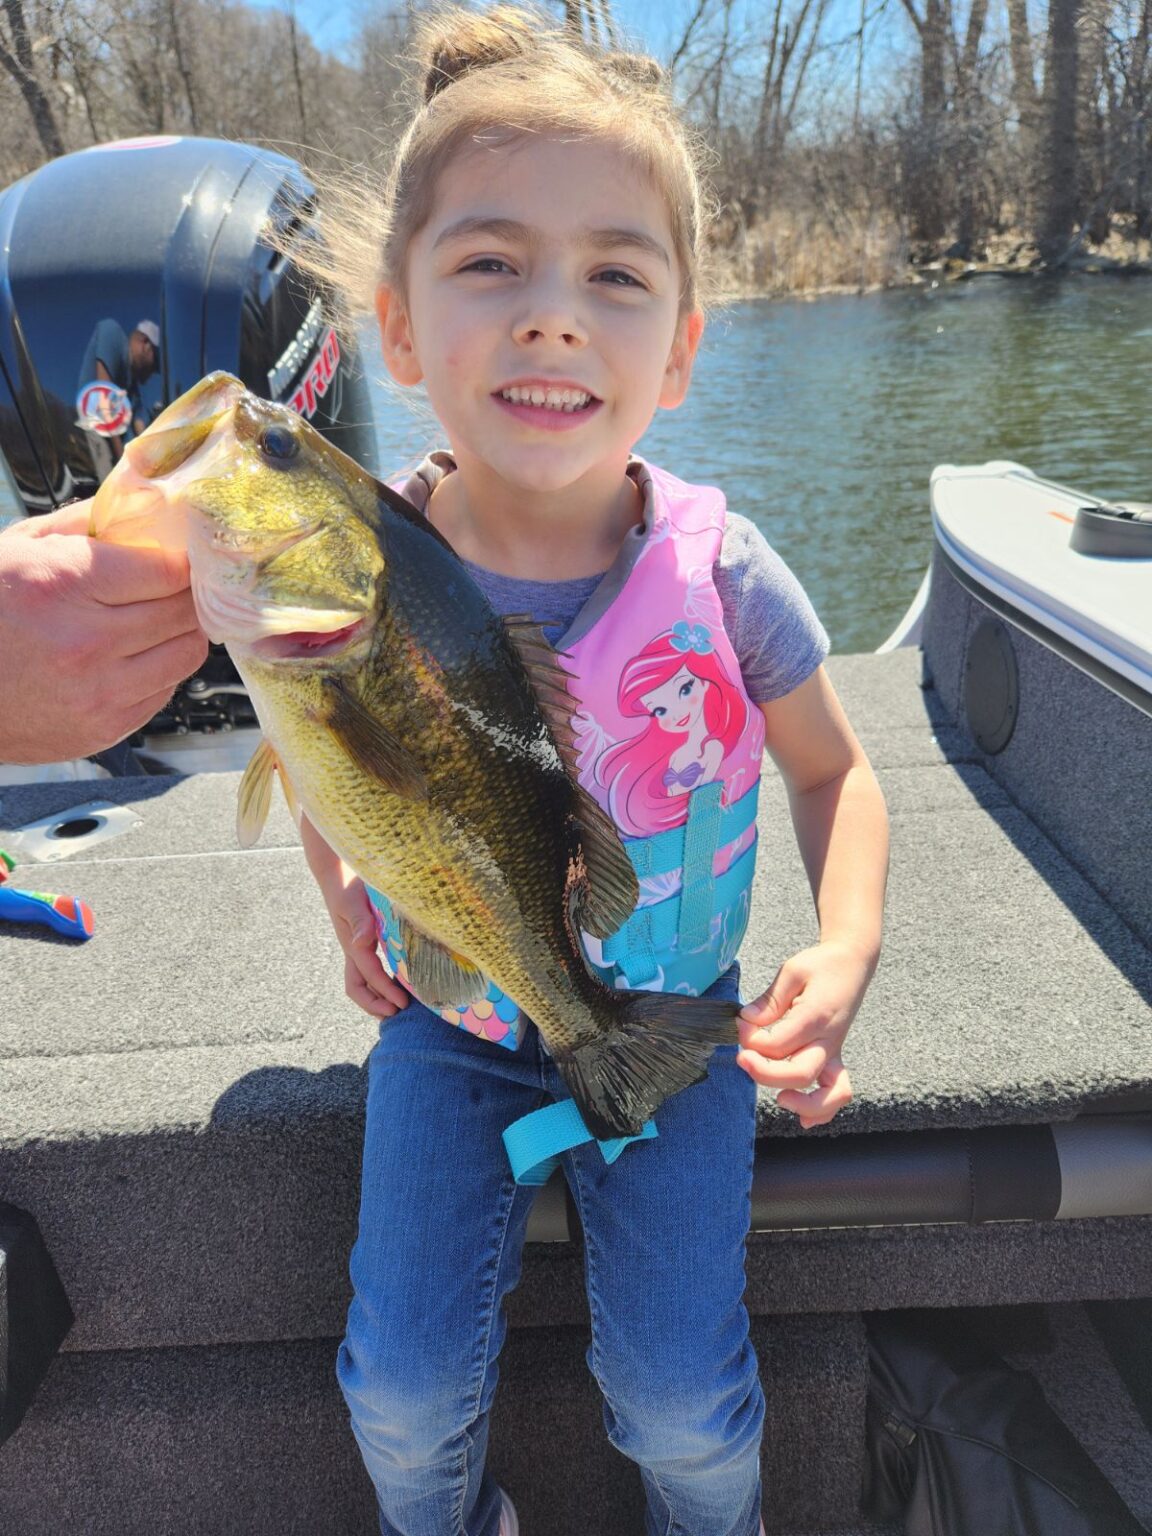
x: 371, y: 746
x: 549, y: 681
x: 611, y: 890
x: 255, y: 795
x: 440, y: 977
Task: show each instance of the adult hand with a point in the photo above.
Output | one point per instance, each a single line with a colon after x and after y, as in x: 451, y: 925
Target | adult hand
x: 793, y: 1034
x: 94, y: 638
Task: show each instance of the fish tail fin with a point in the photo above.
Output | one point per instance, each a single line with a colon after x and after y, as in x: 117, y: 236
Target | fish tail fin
x: 661, y: 1043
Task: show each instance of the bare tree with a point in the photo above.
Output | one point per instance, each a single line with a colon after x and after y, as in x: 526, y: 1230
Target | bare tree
x: 17, y: 56
x: 183, y: 65
x: 297, y: 79
x: 791, y: 41
x: 1059, y: 200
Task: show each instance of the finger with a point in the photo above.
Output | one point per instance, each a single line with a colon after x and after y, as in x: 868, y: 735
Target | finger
x: 73, y: 518
x: 133, y: 629
x: 362, y: 950
x: 793, y: 1072
x: 376, y: 978
x: 798, y: 1027
x: 364, y: 996
x: 140, y: 674
x: 824, y: 1102
x: 118, y: 575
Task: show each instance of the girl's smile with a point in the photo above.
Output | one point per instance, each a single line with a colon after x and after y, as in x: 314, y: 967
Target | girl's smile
x: 554, y: 405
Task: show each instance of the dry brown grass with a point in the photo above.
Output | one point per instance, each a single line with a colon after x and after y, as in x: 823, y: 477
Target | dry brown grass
x: 795, y: 253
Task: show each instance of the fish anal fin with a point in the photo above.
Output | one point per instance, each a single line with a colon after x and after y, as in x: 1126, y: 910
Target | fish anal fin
x: 440, y: 978
x: 620, y: 1077
x: 255, y: 794
x: 611, y: 890
x: 371, y: 745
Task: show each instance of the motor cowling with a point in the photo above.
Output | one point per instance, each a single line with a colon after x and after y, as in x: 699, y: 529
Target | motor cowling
x: 127, y: 272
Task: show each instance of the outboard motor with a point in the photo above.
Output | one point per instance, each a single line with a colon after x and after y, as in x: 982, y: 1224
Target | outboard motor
x: 127, y: 272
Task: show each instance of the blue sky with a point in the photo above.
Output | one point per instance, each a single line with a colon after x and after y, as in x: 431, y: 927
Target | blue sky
x: 655, y: 25
x: 332, y: 22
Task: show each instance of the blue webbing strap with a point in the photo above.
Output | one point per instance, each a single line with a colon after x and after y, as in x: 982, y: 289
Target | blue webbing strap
x: 534, y: 1142
x: 663, y: 919
x: 686, y: 916
x: 701, y: 840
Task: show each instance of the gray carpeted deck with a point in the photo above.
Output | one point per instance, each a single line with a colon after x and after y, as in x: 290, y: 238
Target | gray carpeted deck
x: 181, y: 1107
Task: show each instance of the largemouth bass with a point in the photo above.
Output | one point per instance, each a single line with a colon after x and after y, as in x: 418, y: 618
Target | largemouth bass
x: 424, y: 737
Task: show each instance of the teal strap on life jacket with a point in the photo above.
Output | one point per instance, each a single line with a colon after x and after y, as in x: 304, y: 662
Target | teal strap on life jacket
x: 662, y: 920
x: 535, y: 1142
x: 697, y: 891
x: 664, y: 852
x: 636, y: 948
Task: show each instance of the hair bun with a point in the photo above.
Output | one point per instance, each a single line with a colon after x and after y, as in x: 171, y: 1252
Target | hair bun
x: 469, y: 42
x: 636, y: 69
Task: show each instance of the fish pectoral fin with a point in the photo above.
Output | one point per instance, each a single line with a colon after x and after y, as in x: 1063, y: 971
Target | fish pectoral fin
x: 290, y: 796
x: 255, y: 796
x: 440, y: 977
x: 611, y: 890
x: 371, y: 745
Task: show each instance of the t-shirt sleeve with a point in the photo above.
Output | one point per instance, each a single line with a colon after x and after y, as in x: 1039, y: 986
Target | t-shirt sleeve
x: 778, y: 639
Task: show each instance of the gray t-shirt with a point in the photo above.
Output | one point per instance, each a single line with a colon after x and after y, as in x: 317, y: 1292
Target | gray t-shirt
x: 775, y: 633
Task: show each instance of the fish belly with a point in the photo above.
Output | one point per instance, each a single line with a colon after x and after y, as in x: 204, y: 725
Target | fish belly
x: 441, y: 868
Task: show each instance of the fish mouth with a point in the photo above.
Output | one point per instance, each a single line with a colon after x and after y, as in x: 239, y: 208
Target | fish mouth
x: 310, y: 644
x: 135, y: 505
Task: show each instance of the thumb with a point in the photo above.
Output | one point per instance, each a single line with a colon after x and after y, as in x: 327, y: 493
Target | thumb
x: 362, y: 931
x: 771, y: 1006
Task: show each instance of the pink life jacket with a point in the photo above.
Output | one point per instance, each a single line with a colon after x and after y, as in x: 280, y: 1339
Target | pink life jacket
x: 669, y: 744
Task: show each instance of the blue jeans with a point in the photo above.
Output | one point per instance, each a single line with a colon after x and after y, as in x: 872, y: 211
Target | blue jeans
x: 439, y: 1248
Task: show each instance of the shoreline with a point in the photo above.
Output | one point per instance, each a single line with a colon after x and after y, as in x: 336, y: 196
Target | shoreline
x: 782, y: 259
x: 934, y: 274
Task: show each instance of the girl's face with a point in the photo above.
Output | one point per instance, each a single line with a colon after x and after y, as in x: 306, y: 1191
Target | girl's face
x: 543, y: 312
x: 676, y: 704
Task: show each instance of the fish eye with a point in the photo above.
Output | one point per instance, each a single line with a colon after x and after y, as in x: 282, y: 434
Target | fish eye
x: 279, y: 444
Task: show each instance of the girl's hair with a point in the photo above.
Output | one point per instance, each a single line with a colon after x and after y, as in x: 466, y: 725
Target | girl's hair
x: 489, y: 79
x: 633, y: 771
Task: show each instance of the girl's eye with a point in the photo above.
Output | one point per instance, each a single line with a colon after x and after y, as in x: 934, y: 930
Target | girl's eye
x: 685, y: 689
x: 617, y: 278
x: 659, y: 712
x: 487, y: 264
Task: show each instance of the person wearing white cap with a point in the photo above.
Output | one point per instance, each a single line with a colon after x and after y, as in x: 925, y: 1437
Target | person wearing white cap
x: 127, y: 362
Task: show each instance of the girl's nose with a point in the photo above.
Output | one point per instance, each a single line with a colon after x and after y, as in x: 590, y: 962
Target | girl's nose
x: 550, y: 313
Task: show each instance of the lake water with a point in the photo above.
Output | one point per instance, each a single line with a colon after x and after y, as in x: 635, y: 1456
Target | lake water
x: 822, y: 420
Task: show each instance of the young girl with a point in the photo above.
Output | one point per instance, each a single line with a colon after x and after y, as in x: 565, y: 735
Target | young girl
x: 537, y: 265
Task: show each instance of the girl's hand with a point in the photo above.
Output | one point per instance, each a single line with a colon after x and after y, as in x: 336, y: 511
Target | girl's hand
x: 792, y: 1036
x: 366, y: 981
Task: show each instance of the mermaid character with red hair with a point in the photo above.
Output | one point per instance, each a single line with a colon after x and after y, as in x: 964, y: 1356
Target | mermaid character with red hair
x: 695, y: 717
